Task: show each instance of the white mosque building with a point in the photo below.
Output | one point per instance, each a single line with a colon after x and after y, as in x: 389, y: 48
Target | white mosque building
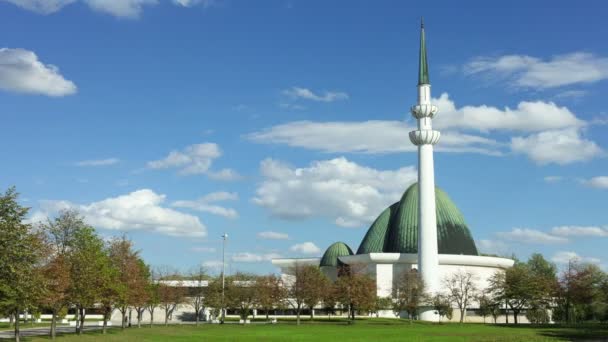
x: 424, y: 230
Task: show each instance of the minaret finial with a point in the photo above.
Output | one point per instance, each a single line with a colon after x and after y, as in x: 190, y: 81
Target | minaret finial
x: 423, y: 72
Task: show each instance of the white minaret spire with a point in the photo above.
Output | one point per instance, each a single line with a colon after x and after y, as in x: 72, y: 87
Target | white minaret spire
x: 425, y: 137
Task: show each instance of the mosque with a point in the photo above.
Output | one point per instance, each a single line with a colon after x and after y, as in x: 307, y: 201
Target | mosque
x: 424, y: 230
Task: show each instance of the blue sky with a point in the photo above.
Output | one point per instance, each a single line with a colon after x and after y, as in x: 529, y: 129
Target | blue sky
x: 284, y: 123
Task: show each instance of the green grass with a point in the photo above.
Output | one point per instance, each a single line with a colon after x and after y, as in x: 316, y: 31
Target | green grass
x: 338, y: 330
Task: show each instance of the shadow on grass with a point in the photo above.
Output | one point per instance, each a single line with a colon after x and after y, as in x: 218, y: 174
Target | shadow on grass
x: 578, y: 332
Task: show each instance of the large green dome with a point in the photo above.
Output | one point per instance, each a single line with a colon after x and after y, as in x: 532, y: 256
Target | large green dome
x: 396, y: 229
x: 337, y: 249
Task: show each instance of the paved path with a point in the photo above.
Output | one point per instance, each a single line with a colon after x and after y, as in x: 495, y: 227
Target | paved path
x: 28, y: 332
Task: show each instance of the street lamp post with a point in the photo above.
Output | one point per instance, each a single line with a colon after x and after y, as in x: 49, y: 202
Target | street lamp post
x: 224, y: 237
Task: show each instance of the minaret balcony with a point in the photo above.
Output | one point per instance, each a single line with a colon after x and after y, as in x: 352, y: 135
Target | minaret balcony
x: 424, y: 111
x: 425, y: 137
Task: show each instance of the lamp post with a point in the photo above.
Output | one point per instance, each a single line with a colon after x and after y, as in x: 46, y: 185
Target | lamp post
x: 224, y: 237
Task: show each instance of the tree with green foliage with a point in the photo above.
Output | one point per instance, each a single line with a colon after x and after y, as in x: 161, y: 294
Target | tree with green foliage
x: 90, y: 271
x: 197, y: 294
x: 442, y: 306
x: 21, y: 252
x: 301, y: 287
x: 580, y: 294
x: 461, y: 289
x: 240, y: 293
x: 408, y: 294
x: 153, y: 299
x: 382, y: 303
x: 316, y: 284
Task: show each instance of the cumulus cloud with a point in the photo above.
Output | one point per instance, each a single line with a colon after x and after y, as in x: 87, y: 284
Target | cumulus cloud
x: 305, y: 248
x: 98, y: 162
x: 562, y: 147
x: 191, y: 3
x: 204, y: 204
x: 531, y: 236
x: 119, y: 8
x: 553, y: 179
x: 492, y: 246
x: 138, y: 210
x: 526, y: 117
x: 544, y: 132
x: 270, y: 235
x: 349, y: 194
x: 600, y: 182
x: 531, y: 72
x: 580, y: 231
x: 307, y: 94
x: 195, y: 160
x: 374, y: 136
x: 253, y: 257
x: 565, y: 257
x: 41, y: 6
x: 22, y: 72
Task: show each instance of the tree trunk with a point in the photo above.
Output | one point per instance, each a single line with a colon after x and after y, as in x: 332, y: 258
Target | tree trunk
x: 515, y: 316
x: 105, y: 321
x: 77, y: 319
x: 53, y: 324
x: 123, y: 312
x: 197, y: 314
x: 130, y: 313
x: 166, y: 317
x: 298, y: 315
x: 140, y: 313
x: 151, y: 317
x: 17, y: 333
x: 462, y: 313
x: 82, y: 317
x: 267, y: 315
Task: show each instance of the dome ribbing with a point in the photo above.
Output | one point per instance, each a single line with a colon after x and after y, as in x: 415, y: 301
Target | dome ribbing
x: 337, y: 249
x: 396, y: 229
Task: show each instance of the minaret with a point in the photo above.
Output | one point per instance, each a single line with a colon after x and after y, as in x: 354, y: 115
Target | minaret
x: 425, y: 137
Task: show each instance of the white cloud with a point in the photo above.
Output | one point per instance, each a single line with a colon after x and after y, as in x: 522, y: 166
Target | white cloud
x: 565, y: 257
x: 345, y: 192
x: 195, y: 160
x: 22, y: 72
x: 553, y: 179
x: 492, y: 246
x: 203, y: 204
x: 374, y: 136
x: 199, y: 249
x: 530, y: 72
x: 224, y: 175
x: 559, y: 146
x: 269, y: 235
x: 305, y: 248
x: 600, y: 182
x: 580, y: 231
x: 252, y: 257
x: 526, y: 117
x: 571, y: 94
x: 531, y: 236
x: 41, y: 6
x: 307, y: 94
x: 138, y: 210
x: 98, y: 162
x: 191, y: 3
x: 120, y: 8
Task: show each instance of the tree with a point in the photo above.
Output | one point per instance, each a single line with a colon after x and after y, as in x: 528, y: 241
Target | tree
x: 580, y: 293
x: 170, y: 297
x: 442, y: 305
x: 153, y: 300
x: 56, y: 277
x: 20, y: 255
x: 240, y: 293
x: 316, y: 284
x: 355, y: 289
x: 140, y: 297
x: 300, y: 286
x: 270, y: 293
x: 197, y: 296
x: 383, y: 303
x: 214, y: 296
x: 461, y: 289
x: 513, y: 286
x: 408, y: 293
x: 89, y: 270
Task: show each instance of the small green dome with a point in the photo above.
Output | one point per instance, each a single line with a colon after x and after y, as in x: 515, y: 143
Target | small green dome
x: 396, y: 229
x: 337, y: 249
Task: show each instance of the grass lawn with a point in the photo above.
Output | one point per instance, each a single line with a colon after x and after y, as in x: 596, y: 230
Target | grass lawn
x: 362, y: 330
